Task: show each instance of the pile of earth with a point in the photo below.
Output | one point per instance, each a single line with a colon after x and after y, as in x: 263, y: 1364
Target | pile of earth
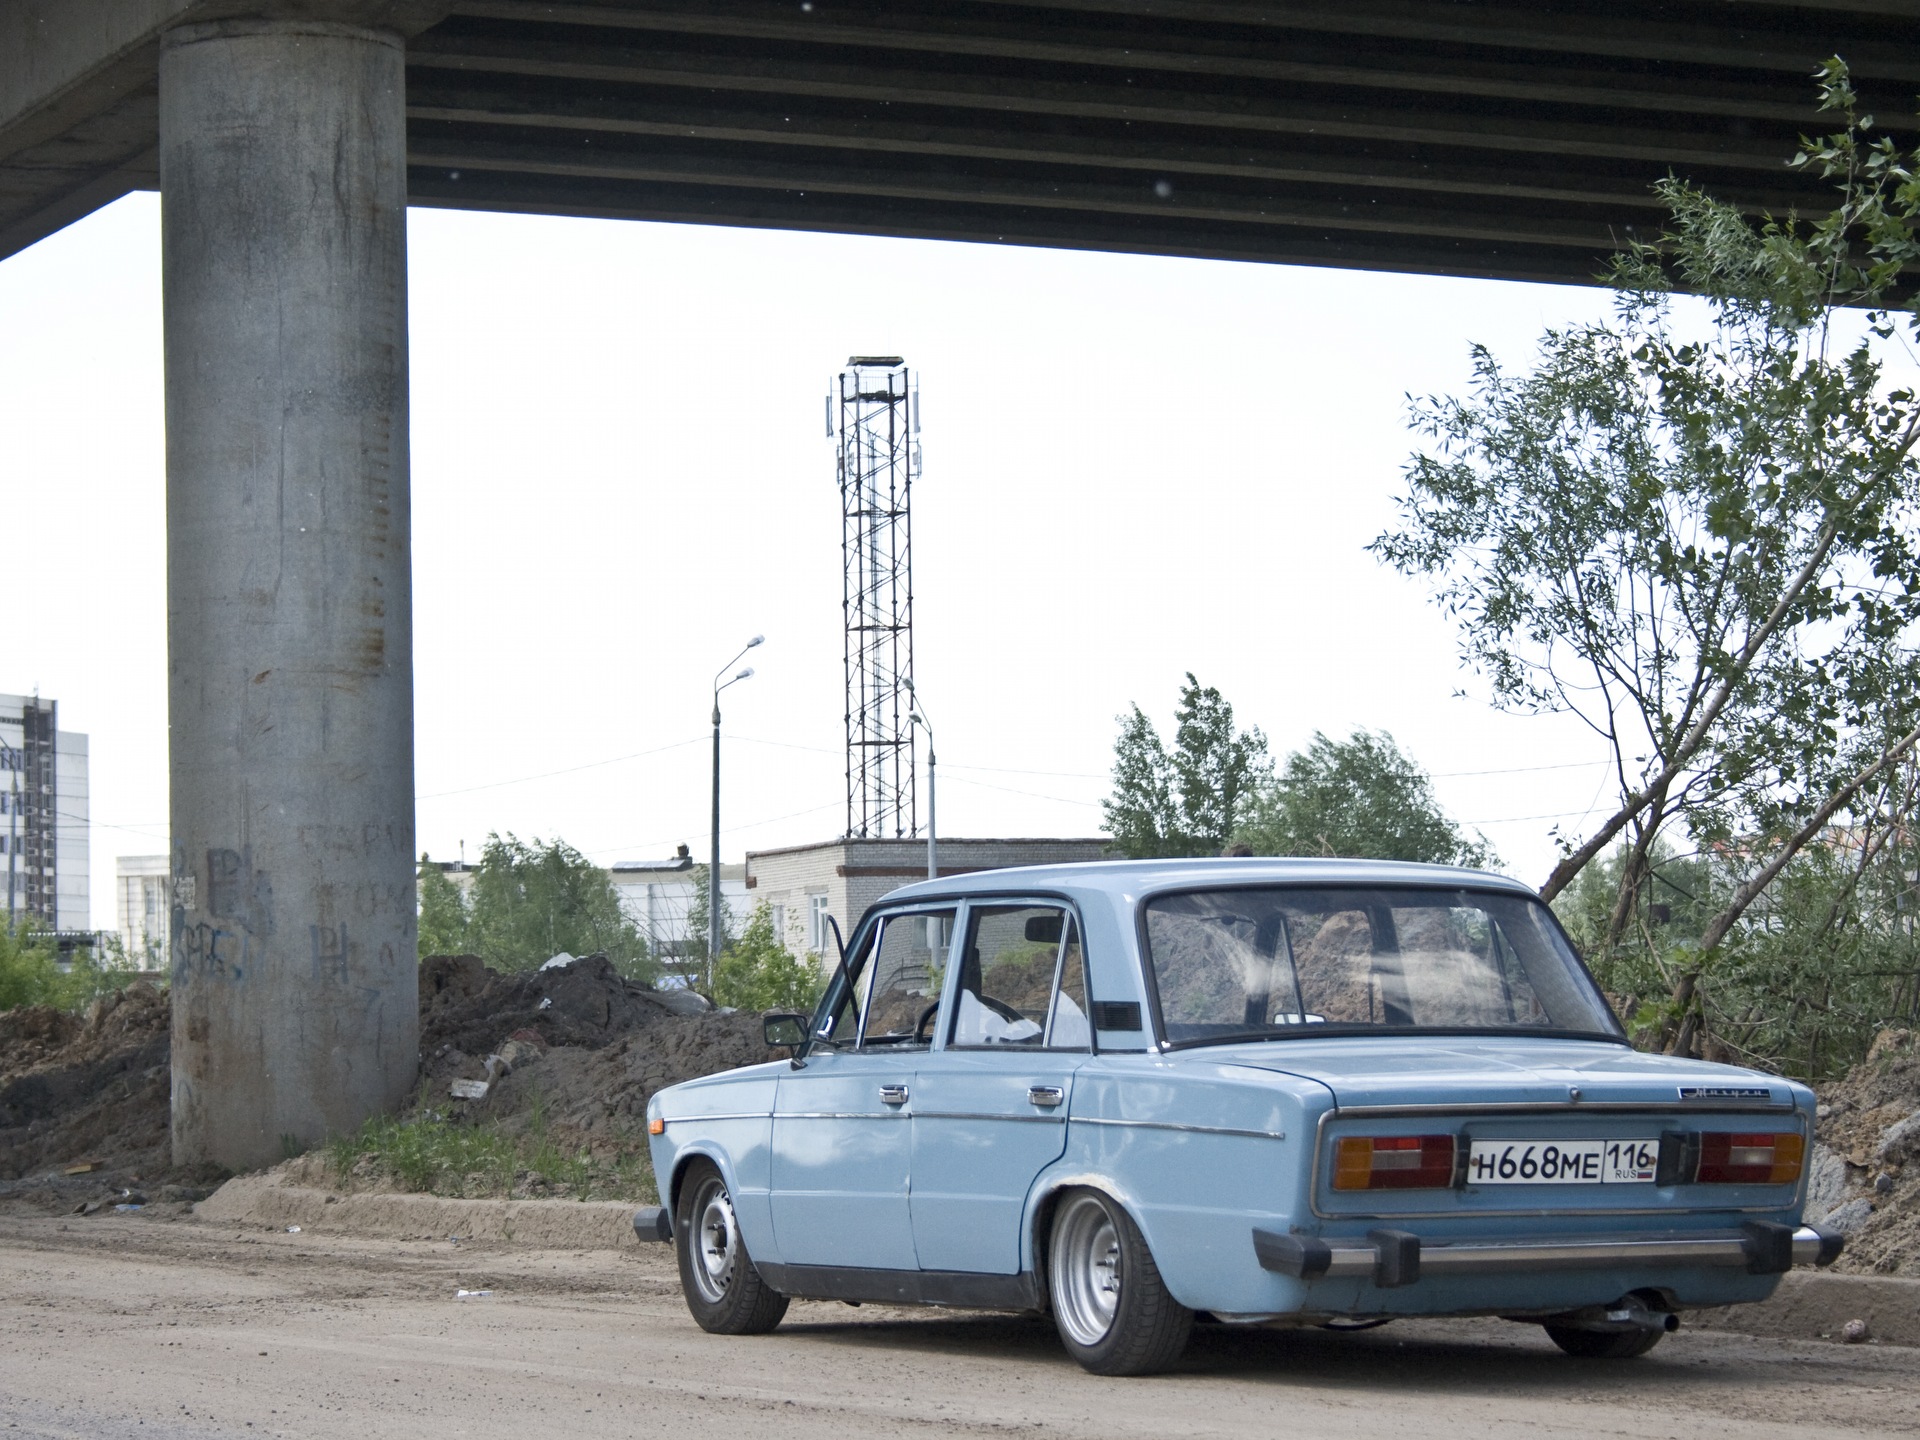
x: 575, y: 1048
x: 87, y: 1090
x: 1866, y: 1162
x: 574, y: 1052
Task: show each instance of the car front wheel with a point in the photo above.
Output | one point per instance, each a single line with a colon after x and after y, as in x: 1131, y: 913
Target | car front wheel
x: 724, y: 1292
x: 1114, y: 1312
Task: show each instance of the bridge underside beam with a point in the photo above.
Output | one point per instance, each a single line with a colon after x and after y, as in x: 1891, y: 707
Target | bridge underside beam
x: 1502, y: 139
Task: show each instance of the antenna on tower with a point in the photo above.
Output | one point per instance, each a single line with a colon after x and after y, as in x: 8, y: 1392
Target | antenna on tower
x: 879, y: 459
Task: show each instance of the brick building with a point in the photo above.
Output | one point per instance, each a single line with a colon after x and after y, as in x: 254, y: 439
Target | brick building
x: 804, y: 884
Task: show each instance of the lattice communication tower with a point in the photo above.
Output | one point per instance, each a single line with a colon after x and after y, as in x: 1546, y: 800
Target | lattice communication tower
x: 874, y: 412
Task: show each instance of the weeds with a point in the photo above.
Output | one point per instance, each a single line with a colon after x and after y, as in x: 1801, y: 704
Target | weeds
x: 435, y: 1155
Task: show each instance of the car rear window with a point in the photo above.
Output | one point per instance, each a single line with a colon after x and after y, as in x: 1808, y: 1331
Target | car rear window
x: 1281, y: 961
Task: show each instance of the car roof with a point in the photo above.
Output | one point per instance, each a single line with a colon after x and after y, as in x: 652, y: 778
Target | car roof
x: 1127, y: 878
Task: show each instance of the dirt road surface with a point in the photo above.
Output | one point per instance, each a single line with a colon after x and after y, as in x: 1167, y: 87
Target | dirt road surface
x: 119, y: 1327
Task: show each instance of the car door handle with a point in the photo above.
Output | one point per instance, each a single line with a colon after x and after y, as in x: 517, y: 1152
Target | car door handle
x: 893, y: 1094
x: 1047, y: 1095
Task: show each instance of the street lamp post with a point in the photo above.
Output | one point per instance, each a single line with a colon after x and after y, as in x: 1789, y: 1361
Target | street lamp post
x: 713, y: 869
x: 918, y: 715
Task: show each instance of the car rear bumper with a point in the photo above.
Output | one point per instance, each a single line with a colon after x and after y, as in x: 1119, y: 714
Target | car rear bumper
x: 1391, y: 1258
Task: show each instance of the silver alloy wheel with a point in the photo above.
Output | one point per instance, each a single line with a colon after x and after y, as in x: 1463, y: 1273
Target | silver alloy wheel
x: 715, y: 1240
x: 1086, y: 1270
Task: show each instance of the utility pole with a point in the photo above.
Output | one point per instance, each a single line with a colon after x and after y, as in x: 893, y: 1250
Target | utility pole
x: 918, y: 715
x: 713, y: 869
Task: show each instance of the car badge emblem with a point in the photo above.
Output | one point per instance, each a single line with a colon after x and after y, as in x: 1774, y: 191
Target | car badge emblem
x: 1725, y: 1092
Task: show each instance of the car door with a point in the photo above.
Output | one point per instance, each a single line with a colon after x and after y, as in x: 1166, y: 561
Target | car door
x: 990, y: 1104
x: 842, y: 1128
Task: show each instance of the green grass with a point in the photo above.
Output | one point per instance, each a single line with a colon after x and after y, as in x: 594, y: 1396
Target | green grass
x: 430, y: 1154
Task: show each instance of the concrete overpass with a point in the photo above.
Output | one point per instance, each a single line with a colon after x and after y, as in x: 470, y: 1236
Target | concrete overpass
x: 1508, y: 139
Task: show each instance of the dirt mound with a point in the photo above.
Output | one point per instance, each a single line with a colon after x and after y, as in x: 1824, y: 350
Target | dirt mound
x: 75, y: 1089
x: 584, y: 1050
x: 1866, y: 1166
x: 463, y: 1005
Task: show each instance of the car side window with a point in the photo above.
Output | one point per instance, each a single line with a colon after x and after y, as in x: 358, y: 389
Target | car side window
x: 895, y: 997
x: 1022, y: 980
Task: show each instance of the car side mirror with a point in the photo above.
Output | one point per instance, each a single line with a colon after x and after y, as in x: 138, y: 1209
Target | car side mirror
x: 787, y: 1030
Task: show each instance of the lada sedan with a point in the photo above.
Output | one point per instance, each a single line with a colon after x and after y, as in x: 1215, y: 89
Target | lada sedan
x: 1256, y: 1091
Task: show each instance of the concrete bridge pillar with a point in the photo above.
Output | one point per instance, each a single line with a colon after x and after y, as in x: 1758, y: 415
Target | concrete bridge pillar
x: 284, y: 193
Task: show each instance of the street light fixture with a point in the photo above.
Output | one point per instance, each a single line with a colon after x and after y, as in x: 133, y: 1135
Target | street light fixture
x: 713, y: 870
x: 917, y: 713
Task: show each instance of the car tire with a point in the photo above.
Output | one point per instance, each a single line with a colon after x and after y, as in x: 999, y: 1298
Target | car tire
x: 1112, y: 1309
x: 1603, y: 1344
x: 724, y: 1291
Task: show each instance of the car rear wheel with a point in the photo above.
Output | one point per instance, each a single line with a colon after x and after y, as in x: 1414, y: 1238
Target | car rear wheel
x: 724, y: 1291
x: 1112, y: 1309
x: 1603, y: 1344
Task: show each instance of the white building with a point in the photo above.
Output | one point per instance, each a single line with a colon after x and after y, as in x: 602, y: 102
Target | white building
x: 804, y: 885
x: 141, y: 909
x: 43, y: 815
x: 658, y: 896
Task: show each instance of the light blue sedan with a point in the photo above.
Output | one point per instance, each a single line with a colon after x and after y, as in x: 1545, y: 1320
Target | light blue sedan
x: 1258, y: 1091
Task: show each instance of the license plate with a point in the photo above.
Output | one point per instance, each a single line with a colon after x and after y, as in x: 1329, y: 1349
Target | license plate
x: 1562, y: 1162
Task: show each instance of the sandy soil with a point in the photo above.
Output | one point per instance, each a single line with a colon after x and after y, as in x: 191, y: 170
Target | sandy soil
x: 175, y: 1329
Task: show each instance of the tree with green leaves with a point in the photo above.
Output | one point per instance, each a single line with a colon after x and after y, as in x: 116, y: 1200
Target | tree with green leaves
x: 757, y: 972
x: 528, y: 903
x: 443, y: 913
x: 32, y: 972
x: 1362, y: 797
x: 1187, y: 799
x: 1693, y: 528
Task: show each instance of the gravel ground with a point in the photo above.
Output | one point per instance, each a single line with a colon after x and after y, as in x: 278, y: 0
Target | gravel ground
x: 158, y: 1325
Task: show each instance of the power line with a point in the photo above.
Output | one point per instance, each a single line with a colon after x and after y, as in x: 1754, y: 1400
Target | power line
x: 1030, y: 794
x: 569, y: 770
x: 1518, y: 770
x: 729, y: 830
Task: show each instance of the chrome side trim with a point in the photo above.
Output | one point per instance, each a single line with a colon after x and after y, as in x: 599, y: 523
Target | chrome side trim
x: 1185, y: 1129
x: 842, y: 1114
x: 986, y: 1115
x: 684, y: 1119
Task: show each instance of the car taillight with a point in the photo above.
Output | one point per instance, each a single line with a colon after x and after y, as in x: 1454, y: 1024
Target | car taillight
x: 1728, y: 1158
x: 1393, y: 1162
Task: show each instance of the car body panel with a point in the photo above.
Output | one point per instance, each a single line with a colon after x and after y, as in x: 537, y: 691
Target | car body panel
x: 979, y: 1143
x: 1204, y: 1144
x: 840, y: 1158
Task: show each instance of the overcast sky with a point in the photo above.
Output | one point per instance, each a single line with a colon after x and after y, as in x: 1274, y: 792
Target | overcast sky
x: 1134, y: 467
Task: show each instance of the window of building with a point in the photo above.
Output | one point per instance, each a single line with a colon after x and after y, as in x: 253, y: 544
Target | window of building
x: 819, y: 933
x: 778, y: 914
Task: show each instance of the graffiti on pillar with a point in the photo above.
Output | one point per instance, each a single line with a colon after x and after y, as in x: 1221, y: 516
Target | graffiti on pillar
x: 236, y: 891
x: 238, y: 906
x: 203, y: 949
x: 332, y: 953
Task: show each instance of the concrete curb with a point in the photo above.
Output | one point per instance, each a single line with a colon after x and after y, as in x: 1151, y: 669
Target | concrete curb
x: 1813, y: 1305
x: 545, y: 1224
